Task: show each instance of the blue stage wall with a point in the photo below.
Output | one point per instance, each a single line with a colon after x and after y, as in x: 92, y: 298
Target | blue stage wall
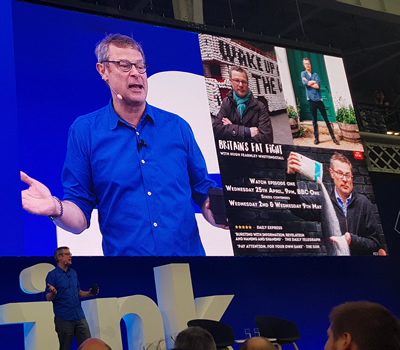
x: 302, y: 289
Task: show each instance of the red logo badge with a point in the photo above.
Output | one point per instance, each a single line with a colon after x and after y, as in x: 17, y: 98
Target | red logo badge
x: 358, y: 155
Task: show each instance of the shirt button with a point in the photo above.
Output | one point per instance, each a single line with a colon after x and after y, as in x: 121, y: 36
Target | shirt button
x: 143, y: 161
x: 149, y: 193
x: 155, y: 224
x: 137, y: 132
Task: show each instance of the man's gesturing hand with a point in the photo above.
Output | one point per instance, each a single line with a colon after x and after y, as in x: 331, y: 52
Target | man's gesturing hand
x: 52, y: 289
x: 37, y: 199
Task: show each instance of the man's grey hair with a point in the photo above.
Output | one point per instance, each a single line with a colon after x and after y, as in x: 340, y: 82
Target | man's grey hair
x: 58, y: 252
x: 341, y: 158
x: 238, y: 69
x: 119, y: 40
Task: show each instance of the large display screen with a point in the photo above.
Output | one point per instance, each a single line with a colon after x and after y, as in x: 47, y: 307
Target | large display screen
x: 270, y: 207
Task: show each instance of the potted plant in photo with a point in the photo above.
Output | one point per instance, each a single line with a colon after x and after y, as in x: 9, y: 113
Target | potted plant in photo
x: 347, y: 122
x: 293, y: 120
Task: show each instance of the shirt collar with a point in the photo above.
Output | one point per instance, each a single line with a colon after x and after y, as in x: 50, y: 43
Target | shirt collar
x: 59, y: 269
x: 340, y: 199
x: 115, y: 119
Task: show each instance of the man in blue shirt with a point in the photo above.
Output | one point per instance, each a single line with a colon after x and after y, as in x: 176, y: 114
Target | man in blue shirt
x: 140, y: 165
x: 63, y: 289
x: 312, y: 84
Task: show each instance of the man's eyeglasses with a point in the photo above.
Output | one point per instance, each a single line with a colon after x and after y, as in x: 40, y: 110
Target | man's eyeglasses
x: 67, y: 254
x: 342, y: 176
x: 126, y: 66
x: 237, y: 81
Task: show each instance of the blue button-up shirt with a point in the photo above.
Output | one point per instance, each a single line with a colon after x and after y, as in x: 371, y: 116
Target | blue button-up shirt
x: 312, y: 94
x: 66, y: 304
x: 142, y: 181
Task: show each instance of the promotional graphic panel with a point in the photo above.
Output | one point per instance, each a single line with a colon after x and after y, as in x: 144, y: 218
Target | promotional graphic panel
x: 299, y: 191
x: 248, y: 123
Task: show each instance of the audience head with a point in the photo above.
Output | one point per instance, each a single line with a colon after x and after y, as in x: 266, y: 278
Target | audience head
x: 380, y: 98
x: 94, y: 344
x: 257, y: 343
x: 363, y: 326
x: 195, y: 338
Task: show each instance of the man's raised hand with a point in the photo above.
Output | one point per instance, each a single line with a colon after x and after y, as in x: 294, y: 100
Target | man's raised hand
x: 37, y: 198
x: 52, y: 289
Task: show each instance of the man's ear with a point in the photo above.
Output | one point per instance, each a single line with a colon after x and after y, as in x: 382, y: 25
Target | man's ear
x: 345, y: 342
x: 101, y: 68
x: 331, y: 172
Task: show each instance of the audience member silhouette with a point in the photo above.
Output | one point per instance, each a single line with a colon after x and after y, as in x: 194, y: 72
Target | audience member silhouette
x: 363, y: 325
x: 94, y: 344
x: 257, y: 343
x: 195, y: 338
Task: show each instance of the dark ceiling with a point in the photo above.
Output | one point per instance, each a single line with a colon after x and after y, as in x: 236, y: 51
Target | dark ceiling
x: 369, y: 41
